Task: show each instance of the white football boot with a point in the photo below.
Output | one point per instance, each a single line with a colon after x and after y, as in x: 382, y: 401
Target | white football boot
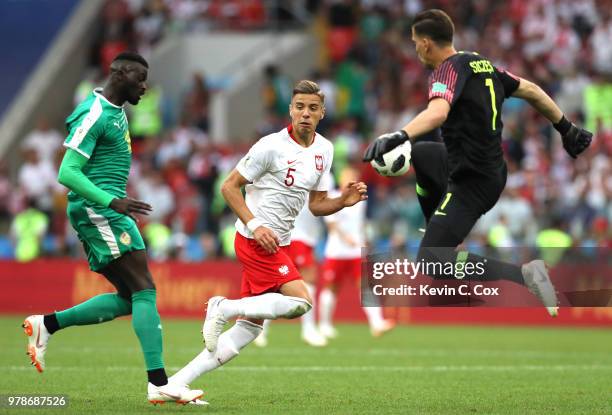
x: 213, y: 323
x: 173, y: 393
x: 313, y: 338
x: 538, y: 282
x: 38, y: 337
x: 382, y: 328
x: 261, y: 340
x: 328, y: 331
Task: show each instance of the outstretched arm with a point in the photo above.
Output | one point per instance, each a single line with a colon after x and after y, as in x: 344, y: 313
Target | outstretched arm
x: 575, y: 140
x: 445, y: 86
x: 427, y: 120
x: 538, y: 99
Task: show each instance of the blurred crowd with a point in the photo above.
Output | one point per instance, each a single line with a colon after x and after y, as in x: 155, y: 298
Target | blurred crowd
x: 373, y: 84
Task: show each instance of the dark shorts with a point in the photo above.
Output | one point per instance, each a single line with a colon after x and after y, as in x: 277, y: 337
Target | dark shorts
x: 466, y: 200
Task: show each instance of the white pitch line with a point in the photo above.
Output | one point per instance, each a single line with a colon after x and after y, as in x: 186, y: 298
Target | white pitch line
x: 430, y: 352
x: 286, y: 351
x: 438, y: 368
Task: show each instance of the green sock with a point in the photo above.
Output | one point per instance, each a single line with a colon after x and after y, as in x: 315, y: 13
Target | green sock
x: 147, y: 325
x: 98, y: 309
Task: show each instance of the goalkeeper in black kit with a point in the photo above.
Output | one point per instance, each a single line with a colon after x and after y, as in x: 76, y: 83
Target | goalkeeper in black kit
x: 462, y: 178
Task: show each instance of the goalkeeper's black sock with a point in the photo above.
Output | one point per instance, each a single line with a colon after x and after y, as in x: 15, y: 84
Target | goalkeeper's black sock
x: 51, y: 323
x: 438, y: 245
x: 497, y: 270
x: 493, y: 269
x: 157, y: 376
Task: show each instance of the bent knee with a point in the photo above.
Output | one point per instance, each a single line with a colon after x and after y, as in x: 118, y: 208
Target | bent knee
x: 142, y: 284
x: 146, y: 283
x: 125, y: 294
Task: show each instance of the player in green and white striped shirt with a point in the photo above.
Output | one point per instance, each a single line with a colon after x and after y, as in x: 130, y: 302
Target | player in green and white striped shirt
x: 95, y: 168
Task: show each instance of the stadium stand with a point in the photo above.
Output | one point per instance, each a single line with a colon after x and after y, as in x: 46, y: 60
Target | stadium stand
x: 26, y: 49
x: 373, y: 83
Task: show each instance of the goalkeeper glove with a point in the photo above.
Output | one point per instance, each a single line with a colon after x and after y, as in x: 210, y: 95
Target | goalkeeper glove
x: 384, y: 144
x: 575, y: 140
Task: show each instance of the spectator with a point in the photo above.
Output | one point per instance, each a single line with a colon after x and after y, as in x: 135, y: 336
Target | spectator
x: 203, y: 172
x: 92, y: 80
x: 598, y: 104
x: 539, y: 30
x: 277, y: 91
x: 329, y: 89
x: 553, y: 242
x: 347, y: 144
x: 187, y: 15
x: 117, y: 32
x: 566, y: 48
x: 152, y: 188
x: 352, y: 79
x: 342, y: 18
x: 196, y: 103
x: 180, y: 142
x: 571, y: 91
x: 158, y: 237
x: 601, y: 44
x: 149, y: 25
x: 408, y: 218
x: 373, y: 83
x: 44, y: 140
x: 146, y: 118
x: 37, y: 178
x: 28, y: 228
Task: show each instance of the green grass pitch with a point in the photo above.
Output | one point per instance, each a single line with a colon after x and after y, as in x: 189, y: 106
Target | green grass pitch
x: 412, y: 370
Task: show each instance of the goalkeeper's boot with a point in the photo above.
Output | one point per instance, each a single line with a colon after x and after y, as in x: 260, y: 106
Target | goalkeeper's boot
x: 213, y: 323
x: 538, y: 282
x: 174, y: 393
x: 38, y: 338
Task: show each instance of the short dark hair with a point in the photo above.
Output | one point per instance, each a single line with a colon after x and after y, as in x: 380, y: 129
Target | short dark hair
x: 435, y: 24
x: 131, y: 56
x: 308, y: 87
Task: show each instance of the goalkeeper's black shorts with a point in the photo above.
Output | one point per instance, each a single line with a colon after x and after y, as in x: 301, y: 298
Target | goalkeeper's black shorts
x: 466, y: 199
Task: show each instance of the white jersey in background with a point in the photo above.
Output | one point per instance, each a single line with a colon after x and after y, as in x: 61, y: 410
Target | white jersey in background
x: 282, y: 173
x: 351, y: 222
x: 307, y: 227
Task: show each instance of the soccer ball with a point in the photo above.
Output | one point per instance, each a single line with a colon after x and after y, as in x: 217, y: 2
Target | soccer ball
x: 396, y: 162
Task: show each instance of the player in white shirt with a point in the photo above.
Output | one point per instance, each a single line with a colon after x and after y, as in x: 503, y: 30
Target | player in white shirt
x: 304, y: 237
x: 280, y: 171
x: 345, y: 239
